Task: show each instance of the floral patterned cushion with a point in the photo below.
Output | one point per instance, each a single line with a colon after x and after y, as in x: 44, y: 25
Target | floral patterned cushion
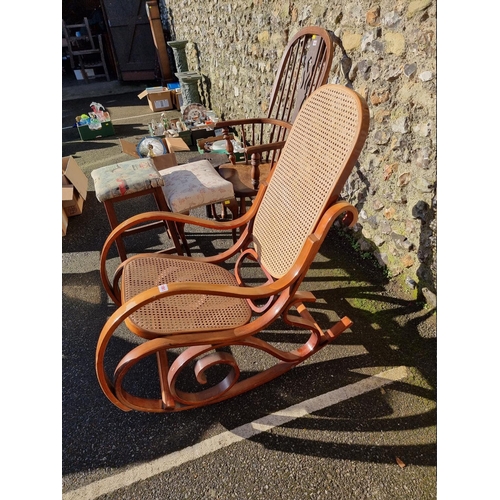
x: 194, y: 185
x: 126, y: 177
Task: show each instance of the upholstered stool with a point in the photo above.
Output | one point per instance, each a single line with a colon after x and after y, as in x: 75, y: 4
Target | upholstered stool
x: 129, y: 179
x: 194, y: 185
x: 216, y: 160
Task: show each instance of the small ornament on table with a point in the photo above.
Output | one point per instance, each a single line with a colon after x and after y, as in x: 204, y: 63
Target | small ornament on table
x: 99, y: 111
x: 156, y: 129
x: 95, y: 123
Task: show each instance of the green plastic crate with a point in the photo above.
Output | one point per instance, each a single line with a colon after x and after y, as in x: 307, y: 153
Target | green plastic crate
x: 185, y: 135
x: 87, y: 135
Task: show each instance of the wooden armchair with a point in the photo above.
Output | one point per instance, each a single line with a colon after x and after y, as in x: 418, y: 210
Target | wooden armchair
x: 305, y: 66
x: 192, y: 312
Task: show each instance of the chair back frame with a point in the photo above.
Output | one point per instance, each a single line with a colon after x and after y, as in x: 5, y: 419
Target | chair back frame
x: 304, y: 67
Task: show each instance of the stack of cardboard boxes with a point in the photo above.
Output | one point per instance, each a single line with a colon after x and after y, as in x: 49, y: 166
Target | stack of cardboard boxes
x: 74, y: 190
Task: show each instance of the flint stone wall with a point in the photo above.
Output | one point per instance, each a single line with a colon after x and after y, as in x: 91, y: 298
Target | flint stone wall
x: 236, y: 47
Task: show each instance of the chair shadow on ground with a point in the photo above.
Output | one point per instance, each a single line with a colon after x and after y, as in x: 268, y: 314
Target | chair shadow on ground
x: 91, y: 425
x: 72, y: 142
x: 369, y: 413
x: 72, y: 147
x: 344, y: 284
x: 88, y: 231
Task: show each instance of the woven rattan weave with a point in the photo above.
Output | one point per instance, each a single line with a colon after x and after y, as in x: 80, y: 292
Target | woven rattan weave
x: 181, y: 312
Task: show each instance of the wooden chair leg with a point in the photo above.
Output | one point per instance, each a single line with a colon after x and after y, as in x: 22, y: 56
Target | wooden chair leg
x: 223, y: 211
x: 182, y: 236
x: 233, y: 208
x: 113, y: 222
x: 232, y: 205
x: 243, y: 206
x: 174, y: 230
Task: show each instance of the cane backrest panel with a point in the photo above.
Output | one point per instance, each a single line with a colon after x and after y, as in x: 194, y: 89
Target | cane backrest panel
x: 308, y: 175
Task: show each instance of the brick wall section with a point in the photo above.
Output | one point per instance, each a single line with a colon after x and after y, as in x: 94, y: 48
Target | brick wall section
x: 236, y: 47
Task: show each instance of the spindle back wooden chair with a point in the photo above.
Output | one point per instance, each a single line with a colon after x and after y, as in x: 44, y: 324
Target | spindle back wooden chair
x: 304, y: 66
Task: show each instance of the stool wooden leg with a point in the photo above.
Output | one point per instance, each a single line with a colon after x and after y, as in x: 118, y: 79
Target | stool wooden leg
x: 243, y: 206
x: 113, y: 222
x: 175, y: 230
x: 182, y: 235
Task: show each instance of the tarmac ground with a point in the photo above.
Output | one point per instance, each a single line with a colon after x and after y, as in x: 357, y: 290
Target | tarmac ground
x: 356, y: 421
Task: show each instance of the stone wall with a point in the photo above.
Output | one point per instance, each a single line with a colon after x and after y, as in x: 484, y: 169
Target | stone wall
x: 236, y: 47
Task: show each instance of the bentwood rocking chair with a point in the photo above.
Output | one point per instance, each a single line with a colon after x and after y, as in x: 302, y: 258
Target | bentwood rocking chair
x: 304, y: 66
x: 193, y: 313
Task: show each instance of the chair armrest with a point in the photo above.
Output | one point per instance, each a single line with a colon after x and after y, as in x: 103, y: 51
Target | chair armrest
x: 252, y: 121
x: 262, y: 148
x: 148, y: 217
x: 254, y: 132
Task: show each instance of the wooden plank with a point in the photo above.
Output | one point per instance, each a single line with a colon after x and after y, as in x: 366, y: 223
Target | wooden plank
x: 159, y: 41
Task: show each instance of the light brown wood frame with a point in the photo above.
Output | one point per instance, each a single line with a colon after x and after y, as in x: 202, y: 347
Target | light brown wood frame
x: 164, y: 312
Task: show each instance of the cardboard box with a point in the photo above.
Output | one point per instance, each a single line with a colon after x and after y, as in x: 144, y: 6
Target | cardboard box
x: 74, y: 187
x: 172, y: 144
x: 165, y: 161
x: 177, y: 99
x: 159, y: 98
x: 202, y: 133
x: 74, y: 206
x: 86, y: 134
x: 176, y: 144
x: 64, y: 222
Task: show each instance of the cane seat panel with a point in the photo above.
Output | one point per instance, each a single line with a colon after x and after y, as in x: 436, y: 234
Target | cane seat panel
x: 182, y: 313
